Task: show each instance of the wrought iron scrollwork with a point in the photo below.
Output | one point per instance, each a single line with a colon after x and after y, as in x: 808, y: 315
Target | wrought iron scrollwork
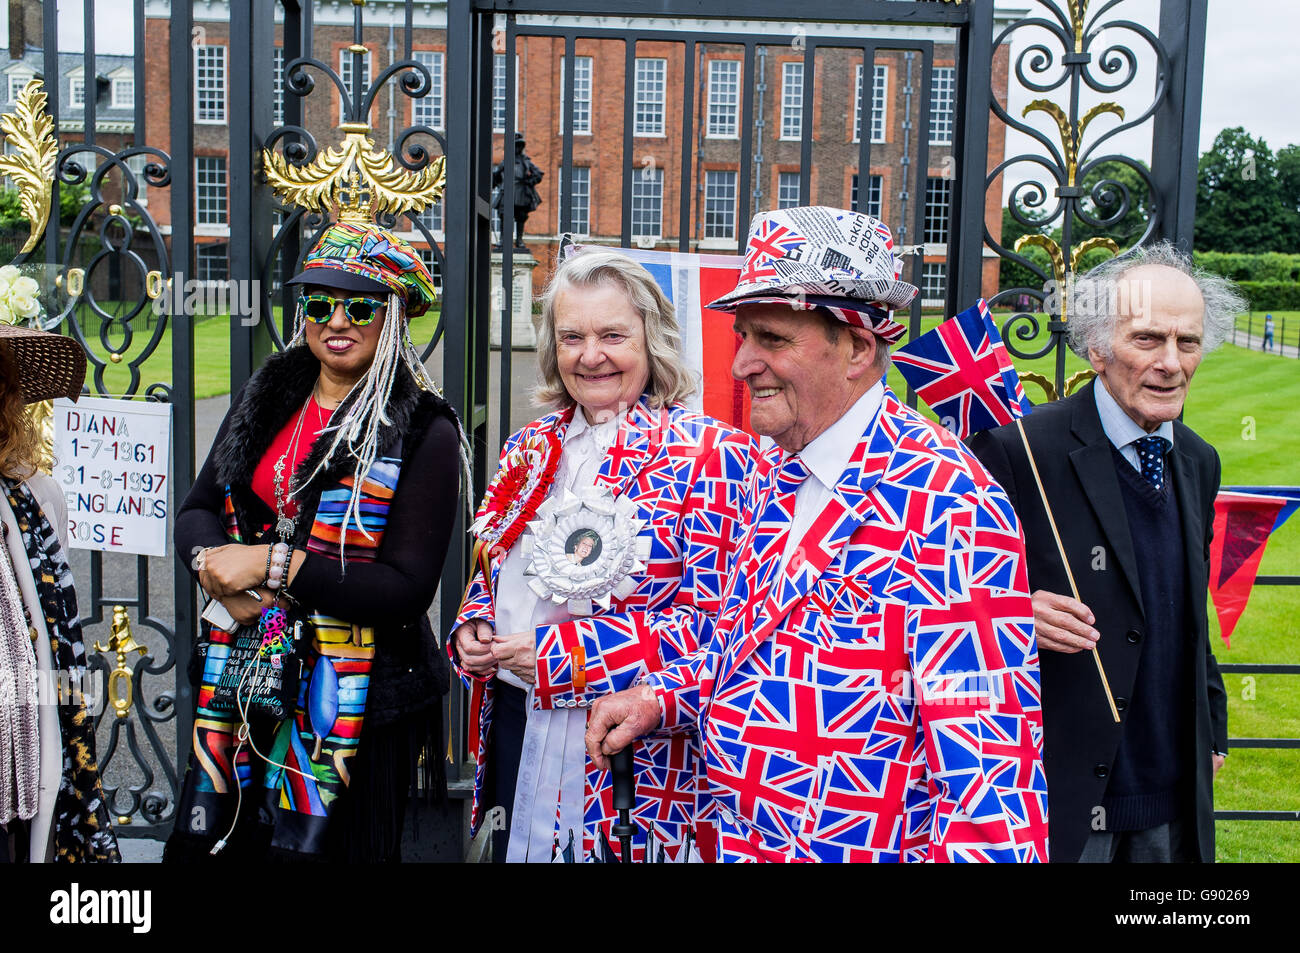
x: 356, y: 180
x: 1054, y: 194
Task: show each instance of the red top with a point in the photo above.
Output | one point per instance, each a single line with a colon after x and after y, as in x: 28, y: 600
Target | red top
x: 316, y: 419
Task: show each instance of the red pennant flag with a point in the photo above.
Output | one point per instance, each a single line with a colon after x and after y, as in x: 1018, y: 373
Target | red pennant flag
x: 1242, y: 522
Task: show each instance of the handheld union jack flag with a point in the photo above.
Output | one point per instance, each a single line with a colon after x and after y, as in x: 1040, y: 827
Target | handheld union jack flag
x: 962, y: 370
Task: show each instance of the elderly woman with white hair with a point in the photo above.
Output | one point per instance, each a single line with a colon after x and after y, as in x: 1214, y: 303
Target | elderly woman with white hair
x: 620, y: 503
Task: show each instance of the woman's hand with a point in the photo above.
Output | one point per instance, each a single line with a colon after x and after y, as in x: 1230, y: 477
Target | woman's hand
x: 246, y: 610
x: 474, y: 647
x: 517, y: 654
x: 231, y: 569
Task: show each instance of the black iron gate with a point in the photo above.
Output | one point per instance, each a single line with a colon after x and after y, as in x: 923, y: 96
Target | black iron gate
x: 297, y: 79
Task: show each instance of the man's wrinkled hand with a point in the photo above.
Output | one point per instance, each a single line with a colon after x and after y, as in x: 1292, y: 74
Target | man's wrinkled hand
x: 1062, y: 624
x: 474, y: 647
x: 619, y: 719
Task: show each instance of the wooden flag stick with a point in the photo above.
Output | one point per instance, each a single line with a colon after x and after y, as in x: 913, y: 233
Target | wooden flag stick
x: 1060, y: 548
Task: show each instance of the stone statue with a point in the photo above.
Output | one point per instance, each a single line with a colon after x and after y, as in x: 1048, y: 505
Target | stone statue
x: 526, y: 199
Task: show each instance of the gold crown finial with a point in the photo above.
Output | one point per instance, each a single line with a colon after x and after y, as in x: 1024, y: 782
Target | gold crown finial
x: 356, y: 181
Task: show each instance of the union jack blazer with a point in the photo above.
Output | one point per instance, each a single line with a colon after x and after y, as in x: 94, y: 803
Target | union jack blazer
x: 880, y: 700
x: 687, y: 473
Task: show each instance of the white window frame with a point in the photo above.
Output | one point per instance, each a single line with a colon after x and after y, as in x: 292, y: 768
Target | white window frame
x: 582, y: 104
x: 118, y: 101
x: 429, y: 110
x: 201, y: 250
x: 713, y: 186
x: 213, y: 84
x: 200, y: 184
x: 345, y: 74
x: 136, y: 164
x: 574, y: 229
x: 783, y: 197
x: 277, y: 85
x: 17, y: 82
x: 876, y: 185
x: 936, y: 211
x: 432, y: 218
x: 879, y: 96
x: 724, y: 104
x: 932, y: 271
x: 651, y: 91
x: 649, y: 182
x: 792, y: 100
x: 943, y: 105
x: 77, y: 87
x: 499, y: 92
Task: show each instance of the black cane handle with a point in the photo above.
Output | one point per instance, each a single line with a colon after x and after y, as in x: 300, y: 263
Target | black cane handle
x: 624, y: 786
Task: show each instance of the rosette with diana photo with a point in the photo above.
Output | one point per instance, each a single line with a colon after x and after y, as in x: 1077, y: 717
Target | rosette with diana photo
x: 585, y: 549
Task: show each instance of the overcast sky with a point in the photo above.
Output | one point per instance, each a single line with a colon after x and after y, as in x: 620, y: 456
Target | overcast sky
x: 1252, y: 73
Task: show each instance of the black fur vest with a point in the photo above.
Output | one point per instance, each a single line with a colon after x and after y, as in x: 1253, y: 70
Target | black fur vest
x: 410, y: 671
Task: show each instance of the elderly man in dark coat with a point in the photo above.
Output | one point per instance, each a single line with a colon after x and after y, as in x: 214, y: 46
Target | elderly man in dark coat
x: 1132, y: 492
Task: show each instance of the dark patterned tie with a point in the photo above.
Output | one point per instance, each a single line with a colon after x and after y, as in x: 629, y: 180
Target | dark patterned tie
x: 1151, y: 458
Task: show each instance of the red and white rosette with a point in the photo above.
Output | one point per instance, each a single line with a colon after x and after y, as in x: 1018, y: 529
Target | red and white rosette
x: 517, y: 490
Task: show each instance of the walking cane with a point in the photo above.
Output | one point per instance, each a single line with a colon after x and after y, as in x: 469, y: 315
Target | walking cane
x: 624, y: 798
x: 1060, y: 548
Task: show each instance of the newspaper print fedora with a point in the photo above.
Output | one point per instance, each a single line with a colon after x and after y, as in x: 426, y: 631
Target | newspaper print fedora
x: 818, y: 257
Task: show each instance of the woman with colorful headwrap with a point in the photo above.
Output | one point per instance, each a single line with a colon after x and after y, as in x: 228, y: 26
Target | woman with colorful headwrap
x: 52, y: 804
x: 330, y: 494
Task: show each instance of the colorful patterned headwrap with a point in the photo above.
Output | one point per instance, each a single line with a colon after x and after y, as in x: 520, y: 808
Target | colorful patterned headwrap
x: 369, y: 251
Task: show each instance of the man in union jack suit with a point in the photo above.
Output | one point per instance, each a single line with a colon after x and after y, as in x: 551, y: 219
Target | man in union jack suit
x: 869, y: 691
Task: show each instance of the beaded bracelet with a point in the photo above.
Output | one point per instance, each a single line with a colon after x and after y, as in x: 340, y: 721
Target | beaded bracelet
x: 277, y: 564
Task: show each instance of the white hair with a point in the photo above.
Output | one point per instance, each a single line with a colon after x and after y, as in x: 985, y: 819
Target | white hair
x: 1093, y: 327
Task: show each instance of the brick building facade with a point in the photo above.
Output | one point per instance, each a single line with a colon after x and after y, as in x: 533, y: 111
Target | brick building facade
x: 884, y: 104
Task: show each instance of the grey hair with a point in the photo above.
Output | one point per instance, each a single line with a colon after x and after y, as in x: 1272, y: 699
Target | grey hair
x: 1092, y: 327
x: 670, y: 379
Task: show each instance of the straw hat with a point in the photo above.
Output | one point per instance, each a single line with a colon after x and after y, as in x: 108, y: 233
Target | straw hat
x: 50, y: 365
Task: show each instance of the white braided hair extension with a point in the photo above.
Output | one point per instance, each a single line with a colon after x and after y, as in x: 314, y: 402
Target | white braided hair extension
x: 359, y: 429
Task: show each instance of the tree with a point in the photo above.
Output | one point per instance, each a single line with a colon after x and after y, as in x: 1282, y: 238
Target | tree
x: 1288, y: 176
x: 1239, y: 197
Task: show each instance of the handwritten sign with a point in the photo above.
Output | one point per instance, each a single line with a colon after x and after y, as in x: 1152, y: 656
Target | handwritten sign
x: 112, y: 462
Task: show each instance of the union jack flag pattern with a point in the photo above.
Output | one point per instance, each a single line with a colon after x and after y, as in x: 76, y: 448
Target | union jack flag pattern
x: 879, y: 701
x: 687, y: 473
x: 961, y: 369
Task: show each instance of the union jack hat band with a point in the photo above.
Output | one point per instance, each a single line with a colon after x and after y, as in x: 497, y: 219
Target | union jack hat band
x: 859, y: 314
x: 827, y: 252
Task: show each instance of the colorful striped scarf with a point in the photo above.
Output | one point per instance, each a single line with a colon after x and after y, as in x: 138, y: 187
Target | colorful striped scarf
x: 310, y: 753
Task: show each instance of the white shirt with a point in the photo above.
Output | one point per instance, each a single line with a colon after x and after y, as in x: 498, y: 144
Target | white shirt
x: 827, y: 456
x: 1121, y: 429
x: 553, y: 760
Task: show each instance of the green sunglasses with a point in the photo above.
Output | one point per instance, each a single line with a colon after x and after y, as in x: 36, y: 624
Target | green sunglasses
x: 319, y: 308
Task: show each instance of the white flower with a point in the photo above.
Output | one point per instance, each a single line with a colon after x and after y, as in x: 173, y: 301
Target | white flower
x: 25, y: 285
x: 23, y: 305
x: 6, y: 316
x: 8, y: 273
